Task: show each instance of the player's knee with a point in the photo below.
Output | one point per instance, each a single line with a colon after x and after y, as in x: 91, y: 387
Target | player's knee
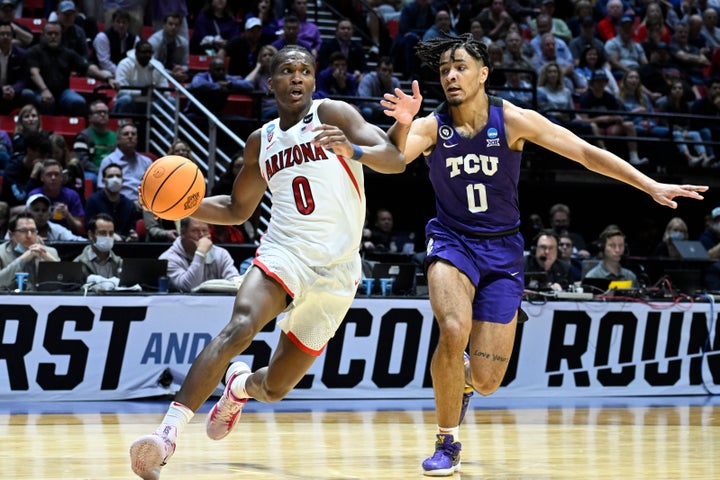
x: 455, y: 333
x: 487, y: 387
x: 238, y: 334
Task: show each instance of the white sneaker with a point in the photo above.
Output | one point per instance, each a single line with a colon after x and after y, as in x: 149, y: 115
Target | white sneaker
x: 226, y: 412
x: 149, y: 453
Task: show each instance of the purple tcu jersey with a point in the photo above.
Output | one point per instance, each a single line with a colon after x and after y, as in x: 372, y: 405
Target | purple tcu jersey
x: 475, y: 180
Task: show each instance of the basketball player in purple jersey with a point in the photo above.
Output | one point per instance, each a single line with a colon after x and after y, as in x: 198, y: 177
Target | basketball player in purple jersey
x: 308, y: 263
x: 474, y: 248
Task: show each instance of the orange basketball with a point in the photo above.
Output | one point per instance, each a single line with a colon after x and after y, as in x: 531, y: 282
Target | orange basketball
x: 172, y: 187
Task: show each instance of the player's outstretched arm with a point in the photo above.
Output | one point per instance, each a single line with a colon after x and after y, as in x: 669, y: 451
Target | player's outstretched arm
x: 346, y: 133
x: 248, y: 190
x: 411, y: 137
x: 523, y: 124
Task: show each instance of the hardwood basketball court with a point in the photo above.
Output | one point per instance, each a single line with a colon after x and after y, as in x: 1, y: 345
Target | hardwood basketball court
x: 607, y: 438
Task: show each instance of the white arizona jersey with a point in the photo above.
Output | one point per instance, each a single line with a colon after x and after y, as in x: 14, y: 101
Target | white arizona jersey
x: 318, y: 198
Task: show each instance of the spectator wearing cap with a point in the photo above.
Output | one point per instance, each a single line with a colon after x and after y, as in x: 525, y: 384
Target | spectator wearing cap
x: 585, y: 39
x: 607, y: 26
x: 114, y: 43
x: 73, y: 36
x: 23, y: 252
x: 39, y: 206
x: 66, y: 203
x: 243, y: 50
x: 710, y: 238
x: 622, y: 52
x: 343, y: 42
x: 610, y: 124
x: 21, y: 35
x: 559, y: 27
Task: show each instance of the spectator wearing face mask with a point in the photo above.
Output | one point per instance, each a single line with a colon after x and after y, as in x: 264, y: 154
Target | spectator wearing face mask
x: 110, y: 201
x: 98, y: 257
x: 676, y: 229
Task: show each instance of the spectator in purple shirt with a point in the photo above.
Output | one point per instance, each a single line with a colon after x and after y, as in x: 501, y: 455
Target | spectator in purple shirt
x: 291, y: 28
x: 66, y: 208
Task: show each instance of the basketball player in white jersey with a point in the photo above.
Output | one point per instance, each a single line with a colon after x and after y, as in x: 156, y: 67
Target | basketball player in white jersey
x: 308, y: 263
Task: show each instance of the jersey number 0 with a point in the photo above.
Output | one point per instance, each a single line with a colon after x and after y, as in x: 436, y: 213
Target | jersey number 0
x: 303, y: 195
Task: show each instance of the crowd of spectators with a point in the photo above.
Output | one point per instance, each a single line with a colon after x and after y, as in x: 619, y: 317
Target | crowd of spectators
x: 611, y: 68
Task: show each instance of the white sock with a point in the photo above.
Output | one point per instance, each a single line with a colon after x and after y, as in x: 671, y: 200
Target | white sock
x: 454, y: 431
x: 237, y: 387
x: 178, y: 415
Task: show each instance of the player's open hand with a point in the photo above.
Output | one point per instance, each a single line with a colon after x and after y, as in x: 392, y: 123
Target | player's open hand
x: 334, y: 139
x: 664, y: 193
x: 403, y: 107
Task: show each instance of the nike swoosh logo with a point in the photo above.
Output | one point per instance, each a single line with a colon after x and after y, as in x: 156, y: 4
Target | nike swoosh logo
x: 515, y: 274
x: 446, y: 145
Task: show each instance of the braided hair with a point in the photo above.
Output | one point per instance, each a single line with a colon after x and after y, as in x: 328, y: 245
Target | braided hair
x: 431, y: 50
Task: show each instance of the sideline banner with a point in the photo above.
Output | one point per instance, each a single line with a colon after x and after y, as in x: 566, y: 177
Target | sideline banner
x: 123, y: 347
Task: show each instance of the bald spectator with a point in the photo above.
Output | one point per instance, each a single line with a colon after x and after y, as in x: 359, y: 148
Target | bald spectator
x: 441, y: 27
x: 51, y: 65
x: 559, y: 27
x: 710, y: 29
x: 133, y: 164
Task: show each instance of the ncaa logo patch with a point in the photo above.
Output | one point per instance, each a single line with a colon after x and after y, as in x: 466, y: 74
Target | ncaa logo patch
x: 269, y: 132
x: 493, y: 140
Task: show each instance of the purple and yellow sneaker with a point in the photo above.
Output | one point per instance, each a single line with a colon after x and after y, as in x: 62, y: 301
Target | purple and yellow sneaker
x: 446, y: 459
